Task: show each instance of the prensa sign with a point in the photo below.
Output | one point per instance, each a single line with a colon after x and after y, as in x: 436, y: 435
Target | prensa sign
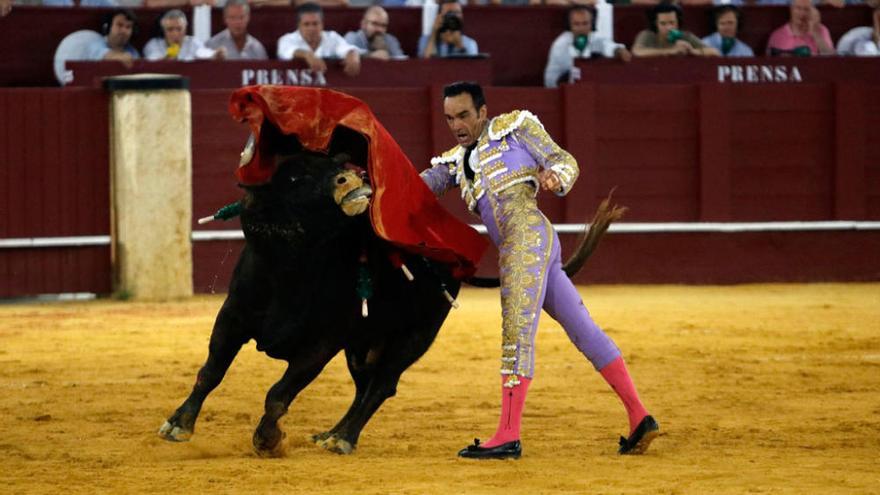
x: 759, y: 74
x: 290, y: 77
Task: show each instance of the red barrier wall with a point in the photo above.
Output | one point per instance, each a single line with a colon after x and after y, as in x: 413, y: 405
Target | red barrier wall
x: 702, y: 152
x: 53, y: 182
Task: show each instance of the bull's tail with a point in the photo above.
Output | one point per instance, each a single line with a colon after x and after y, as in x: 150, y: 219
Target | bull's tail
x: 605, y: 214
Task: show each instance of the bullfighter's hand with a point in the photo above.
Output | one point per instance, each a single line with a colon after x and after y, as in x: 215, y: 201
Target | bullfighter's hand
x: 550, y: 181
x: 5, y: 7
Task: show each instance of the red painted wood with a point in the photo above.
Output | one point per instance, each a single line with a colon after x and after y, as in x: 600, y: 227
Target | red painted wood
x: 580, y: 123
x: 706, y: 258
x: 783, y: 155
x: 714, y: 153
x: 56, y: 184
x: 872, y: 153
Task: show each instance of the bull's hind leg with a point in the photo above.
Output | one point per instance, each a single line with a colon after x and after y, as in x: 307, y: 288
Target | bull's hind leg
x: 382, y: 385
x: 377, y: 380
x: 362, y: 376
x: 226, y: 341
x: 300, y: 372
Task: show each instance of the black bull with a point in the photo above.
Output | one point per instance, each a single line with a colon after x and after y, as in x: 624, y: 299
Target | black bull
x: 295, y: 291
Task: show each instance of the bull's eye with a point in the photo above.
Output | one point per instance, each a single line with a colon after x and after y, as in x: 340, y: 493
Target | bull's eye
x: 340, y: 180
x: 294, y: 179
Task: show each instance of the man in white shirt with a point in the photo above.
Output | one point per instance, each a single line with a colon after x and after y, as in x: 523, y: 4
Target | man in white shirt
x: 579, y: 41
x: 312, y: 44
x: 235, y: 38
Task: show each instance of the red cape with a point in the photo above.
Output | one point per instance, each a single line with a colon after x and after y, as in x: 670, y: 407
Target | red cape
x: 403, y: 210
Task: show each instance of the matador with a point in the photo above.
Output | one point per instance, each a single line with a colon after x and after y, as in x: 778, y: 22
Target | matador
x: 499, y: 165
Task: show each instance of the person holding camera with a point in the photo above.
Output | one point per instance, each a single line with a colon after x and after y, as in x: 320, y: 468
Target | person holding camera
x: 447, y: 37
x: 664, y: 36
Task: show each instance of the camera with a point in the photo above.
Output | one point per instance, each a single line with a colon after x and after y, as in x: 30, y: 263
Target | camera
x: 451, y: 22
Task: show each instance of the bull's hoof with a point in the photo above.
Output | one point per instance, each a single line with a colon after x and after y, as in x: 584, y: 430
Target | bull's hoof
x: 317, y: 438
x: 275, y: 446
x: 336, y: 445
x: 174, y: 433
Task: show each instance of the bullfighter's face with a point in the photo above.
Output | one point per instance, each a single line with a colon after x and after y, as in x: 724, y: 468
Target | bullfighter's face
x: 465, y: 122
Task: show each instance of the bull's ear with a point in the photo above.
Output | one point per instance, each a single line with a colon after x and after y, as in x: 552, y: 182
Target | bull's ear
x: 341, y: 158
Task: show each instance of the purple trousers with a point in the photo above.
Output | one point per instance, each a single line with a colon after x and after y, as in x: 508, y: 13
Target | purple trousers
x: 531, y: 275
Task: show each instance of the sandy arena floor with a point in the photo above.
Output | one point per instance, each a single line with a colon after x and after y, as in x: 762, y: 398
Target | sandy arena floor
x: 758, y: 389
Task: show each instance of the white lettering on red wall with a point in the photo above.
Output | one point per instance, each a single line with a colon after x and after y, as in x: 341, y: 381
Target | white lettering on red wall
x: 759, y: 74
x: 290, y: 77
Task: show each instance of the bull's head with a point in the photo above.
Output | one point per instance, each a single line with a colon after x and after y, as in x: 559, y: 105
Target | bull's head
x: 307, y: 178
x: 310, y: 194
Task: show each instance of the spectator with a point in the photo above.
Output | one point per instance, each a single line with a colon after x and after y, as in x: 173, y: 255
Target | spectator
x: 235, y: 40
x: 862, y: 41
x: 312, y: 44
x: 175, y: 44
x: 803, y: 34
x: 579, y: 41
x: 450, y: 40
x: 373, y: 39
x: 118, y: 28
x: 664, y: 37
x: 446, y: 30
x: 727, y: 21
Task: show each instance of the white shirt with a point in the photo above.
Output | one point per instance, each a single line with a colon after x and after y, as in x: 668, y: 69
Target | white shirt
x: 562, y: 54
x: 858, y: 41
x: 332, y: 45
x: 190, y: 49
x: 252, y: 50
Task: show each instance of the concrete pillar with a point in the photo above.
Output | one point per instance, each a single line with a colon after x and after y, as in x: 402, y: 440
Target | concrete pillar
x: 151, y: 186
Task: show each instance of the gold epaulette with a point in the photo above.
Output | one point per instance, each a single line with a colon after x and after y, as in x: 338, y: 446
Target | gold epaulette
x: 450, y: 156
x: 506, y: 123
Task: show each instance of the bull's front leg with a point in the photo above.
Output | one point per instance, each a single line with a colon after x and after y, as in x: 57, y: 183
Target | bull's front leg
x: 226, y: 341
x: 301, y: 370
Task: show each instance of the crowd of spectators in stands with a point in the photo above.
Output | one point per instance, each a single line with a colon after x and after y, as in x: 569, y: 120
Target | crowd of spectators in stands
x: 665, y: 33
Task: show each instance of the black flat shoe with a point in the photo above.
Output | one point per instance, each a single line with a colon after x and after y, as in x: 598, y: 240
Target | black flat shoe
x: 641, y: 438
x: 509, y: 450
